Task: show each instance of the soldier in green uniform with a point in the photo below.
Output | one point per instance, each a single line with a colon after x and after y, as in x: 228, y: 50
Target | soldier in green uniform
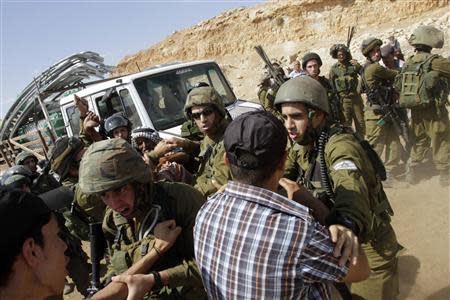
x: 204, y: 107
x: 341, y: 170
x: 380, y: 131
x: 344, y: 78
x: 267, y: 89
x: 311, y: 63
x: 423, y: 84
x: 114, y: 170
x: 17, y: 177
x: 64, y: 161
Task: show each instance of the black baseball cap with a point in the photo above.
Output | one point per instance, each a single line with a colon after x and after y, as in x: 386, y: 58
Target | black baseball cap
x: 255, y: 139
x: 19, y: 212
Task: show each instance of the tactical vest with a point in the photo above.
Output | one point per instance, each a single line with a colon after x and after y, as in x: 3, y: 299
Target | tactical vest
x: 346, y: 79
x: 419, y: 85
x: 317, y: 179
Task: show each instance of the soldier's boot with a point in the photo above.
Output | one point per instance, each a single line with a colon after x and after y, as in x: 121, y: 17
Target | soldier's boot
x: 444, y: 178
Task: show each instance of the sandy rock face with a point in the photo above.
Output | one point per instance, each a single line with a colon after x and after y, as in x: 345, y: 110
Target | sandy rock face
x: 287, y: 30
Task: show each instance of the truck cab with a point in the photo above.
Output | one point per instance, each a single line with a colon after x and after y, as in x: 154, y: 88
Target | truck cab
x: 153, y: 98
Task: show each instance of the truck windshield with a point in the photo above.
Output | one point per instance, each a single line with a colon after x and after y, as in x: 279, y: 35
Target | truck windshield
x: 164, y: 94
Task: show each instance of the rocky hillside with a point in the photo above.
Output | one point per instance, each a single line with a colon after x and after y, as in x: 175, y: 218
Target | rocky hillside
x: 287, y: 29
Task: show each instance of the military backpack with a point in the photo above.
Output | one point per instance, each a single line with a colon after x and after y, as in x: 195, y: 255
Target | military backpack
x: 419, y: 85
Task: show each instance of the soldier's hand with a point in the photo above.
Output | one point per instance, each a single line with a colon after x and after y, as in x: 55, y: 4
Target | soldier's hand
x: 166, y: 234
x: 347, y: 244
x: 164, y: 147
x: 82, y: 105
x: 354, y: 62
x: 138, y: 285
x: 91, y: 120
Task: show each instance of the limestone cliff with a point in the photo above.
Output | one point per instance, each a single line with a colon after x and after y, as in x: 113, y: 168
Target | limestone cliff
x: 287, y: 29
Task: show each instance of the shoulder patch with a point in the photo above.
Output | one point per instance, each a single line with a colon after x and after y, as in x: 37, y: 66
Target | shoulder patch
x: 344, y: 165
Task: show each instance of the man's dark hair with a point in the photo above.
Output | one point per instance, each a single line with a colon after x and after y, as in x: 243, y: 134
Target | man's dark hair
x: 9, y: 253
x: 254, y: 177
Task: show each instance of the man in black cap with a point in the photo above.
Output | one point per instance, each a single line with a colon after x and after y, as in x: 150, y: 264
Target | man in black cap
x: 32, y: 260
x: 267, y: 245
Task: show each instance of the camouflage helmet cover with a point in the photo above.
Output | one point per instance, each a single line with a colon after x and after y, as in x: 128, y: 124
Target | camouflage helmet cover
x: 427, y: 35
x: 310, y: 56
x: 340, y: 47
x: 204, y: 95
x: 16, y: 174
x: 22, y: 156
x: 303, y: 89
x: 111, y: 164
x: 369, y: 44
x: 64, y: 153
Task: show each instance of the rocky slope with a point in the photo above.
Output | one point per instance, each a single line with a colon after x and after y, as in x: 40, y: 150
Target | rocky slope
x: 287, y: 29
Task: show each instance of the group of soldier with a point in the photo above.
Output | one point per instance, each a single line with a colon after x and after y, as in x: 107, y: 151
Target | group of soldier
x: 147, y: 191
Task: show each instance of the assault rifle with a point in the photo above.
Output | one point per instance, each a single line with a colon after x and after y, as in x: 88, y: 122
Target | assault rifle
x: 334, y: 102
x: 391, y: 112
x: 278, y: 78
x: 97, y: 240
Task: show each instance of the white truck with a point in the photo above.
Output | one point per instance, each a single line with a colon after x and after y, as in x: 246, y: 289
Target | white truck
x: 153, y: 98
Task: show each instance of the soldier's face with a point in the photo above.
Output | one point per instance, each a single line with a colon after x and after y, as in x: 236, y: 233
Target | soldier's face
x: 341, y: 56
x: 297, y: 66
x: 50, y: 262
x: 121, y: 132
x: 205, y: 117
x: 121, y: 200
x: 375, y: 54
x: 312, y: 68
x: 297, y: 122
x: 30, y: 163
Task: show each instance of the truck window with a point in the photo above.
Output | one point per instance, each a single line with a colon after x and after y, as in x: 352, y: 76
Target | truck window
x: 73, y: 114
x: 164, y: 94
x: 130, y: 108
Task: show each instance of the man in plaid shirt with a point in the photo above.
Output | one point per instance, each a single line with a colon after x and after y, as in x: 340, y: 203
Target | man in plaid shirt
x: 252, y: 243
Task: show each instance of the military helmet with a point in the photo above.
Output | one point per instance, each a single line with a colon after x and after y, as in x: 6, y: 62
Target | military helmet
x: 111, y: 164
x: 16, y: 176
x: 203, y: 95
x: 428, y: 36
x: 303, y: 89
x: 369, y: 44
x: 64, y: 153
x: 310, y: 56
x: 340, y: 47
x: 22, y: 156
x: 115, y: 121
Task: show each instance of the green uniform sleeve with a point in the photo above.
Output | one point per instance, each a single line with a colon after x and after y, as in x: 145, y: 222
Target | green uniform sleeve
x: 153, y: 156
x: 83, y: 135
x: 381, y: 73
x: 292, y: 167
x: 186, y: 274
x: 186, y: 202
x: 346, y: 162
x: 216, y: 169
x: 441, y: 65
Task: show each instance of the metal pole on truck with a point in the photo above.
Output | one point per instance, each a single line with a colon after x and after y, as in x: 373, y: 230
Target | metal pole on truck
x: 44, y: 110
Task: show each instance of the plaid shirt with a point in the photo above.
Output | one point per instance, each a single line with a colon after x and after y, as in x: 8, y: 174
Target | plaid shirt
x: 251, y: 243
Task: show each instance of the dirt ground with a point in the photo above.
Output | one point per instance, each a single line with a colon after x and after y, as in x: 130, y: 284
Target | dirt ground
x: 422, y: 224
